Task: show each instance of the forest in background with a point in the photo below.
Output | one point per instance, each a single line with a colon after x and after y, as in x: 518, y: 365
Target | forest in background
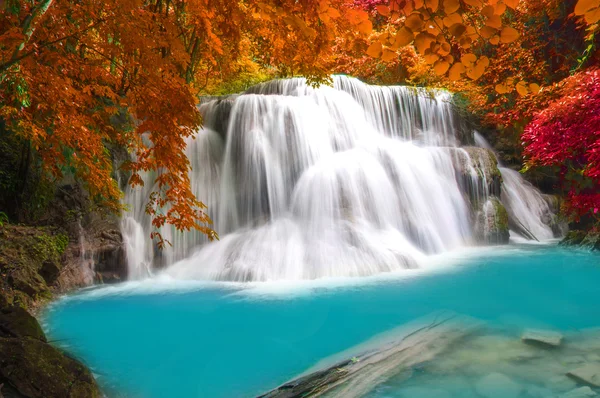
x: 80, y: 79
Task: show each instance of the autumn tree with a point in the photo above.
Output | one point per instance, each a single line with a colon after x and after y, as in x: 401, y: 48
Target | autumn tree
x: 78, y: 75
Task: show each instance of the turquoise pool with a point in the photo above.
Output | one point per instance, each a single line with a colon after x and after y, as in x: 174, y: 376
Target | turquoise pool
x: 163, y: 338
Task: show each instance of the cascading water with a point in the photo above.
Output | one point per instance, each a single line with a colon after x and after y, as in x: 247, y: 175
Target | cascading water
x: 303, y: 183
x: 530, y: 212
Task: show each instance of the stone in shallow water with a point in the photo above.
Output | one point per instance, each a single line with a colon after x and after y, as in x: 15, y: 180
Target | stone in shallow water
x: 497, y: 385
x: 581, y: 392
x: 542, y: 337
x: 412, y: 392
x: 588, y: 374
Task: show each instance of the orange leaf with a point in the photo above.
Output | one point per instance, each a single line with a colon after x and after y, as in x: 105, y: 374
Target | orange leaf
x: 441, y: 67
x: 404, y: 37
x: 535, y: 88
x: 450, y: 6
x: 508, y: 35
x: 388, y: 55
x: 383, y: 10
x: 365, y: 27
x: 456, y: 71
x: 512, y: 3
x: 457, y: 29
x: 584, y: 6
x: 375, y: 49
x: 593, y: 16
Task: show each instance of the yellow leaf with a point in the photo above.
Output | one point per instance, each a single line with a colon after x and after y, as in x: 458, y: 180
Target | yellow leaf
x: 388, y: 55
x: 375, y: 49
x: 456, y: 71
x: 512, y: 3
x: 414, y: 21
x: 383, y: 10
x: 522, y: 88
x: 494, y: 21
x: 450, y: 6
x: 432, y: 5
x: 441, y: 67
x: 365, y: 27
x: 457, y: 29
x: 535, y: 88
x: 593, y: 16
x: 508, y: 35
x: 584, y: 6
x: 495, y: 40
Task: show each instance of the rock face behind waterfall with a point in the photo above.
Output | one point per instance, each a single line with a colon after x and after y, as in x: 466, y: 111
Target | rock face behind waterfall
x: 304, y: 183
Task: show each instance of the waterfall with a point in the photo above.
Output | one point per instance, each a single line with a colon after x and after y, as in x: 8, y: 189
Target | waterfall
x: 304, y: 183
x: 530, y: 212
x: 527, y: 206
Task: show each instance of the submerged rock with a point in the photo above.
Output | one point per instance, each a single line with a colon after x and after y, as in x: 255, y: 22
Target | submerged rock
x: 581, y: 392
x: 497, y: 385
x: 542, y: 337
x: 587, y: 374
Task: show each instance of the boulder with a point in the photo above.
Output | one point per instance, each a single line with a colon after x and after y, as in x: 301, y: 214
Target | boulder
x: 545, y: 338
x: 15, y: 322
x: 587, y: 374
x: 32, y: 368
x: 477, y: 172
x: 491, y: 223
x: 497, y: 385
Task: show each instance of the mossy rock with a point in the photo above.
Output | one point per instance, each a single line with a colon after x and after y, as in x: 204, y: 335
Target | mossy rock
x: 15, y: 322
x: 35, y: 369
x: 30, y: 261
x: 477, y: 173
x: 491, y: 223
x: 584, y: 239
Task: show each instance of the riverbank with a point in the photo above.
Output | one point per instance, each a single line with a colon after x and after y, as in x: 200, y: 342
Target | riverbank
x: 36, y: 265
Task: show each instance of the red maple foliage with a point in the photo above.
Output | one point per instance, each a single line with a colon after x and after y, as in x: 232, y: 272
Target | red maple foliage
x: 567, y: 134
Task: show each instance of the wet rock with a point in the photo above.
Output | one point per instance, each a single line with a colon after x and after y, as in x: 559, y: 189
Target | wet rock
x: 544, y: 338
x: 560, y: 383
x: 412, y: 392
x: 581, y: 392
x: 491, y: 223
x: 15, y: 322
x: 497, y: 385
x: 477, y: 172
x: 587, y: 374
x: 35, y: 369
x: 539, y: 392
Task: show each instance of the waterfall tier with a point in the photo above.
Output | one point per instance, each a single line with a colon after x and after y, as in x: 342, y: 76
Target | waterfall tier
x: 349, y: 180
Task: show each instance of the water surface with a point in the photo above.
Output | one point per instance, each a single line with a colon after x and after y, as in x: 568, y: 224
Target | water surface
x: 171, y: 339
